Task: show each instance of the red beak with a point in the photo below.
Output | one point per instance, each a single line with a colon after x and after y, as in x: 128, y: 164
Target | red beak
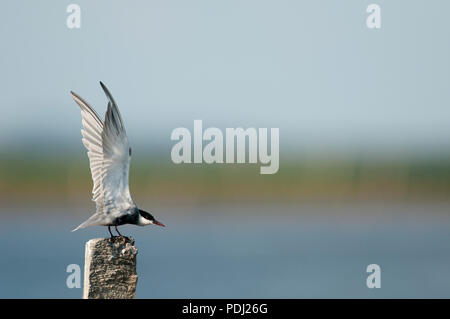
x: 158, y: 223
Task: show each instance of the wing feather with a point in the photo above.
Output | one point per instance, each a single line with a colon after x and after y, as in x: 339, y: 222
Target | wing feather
x: 116, y: 163
x: 92, y: 140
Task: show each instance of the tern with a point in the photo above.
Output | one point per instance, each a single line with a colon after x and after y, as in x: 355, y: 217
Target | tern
x: 109, y: 159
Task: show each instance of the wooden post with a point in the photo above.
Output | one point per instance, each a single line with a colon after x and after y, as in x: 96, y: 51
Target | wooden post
x: 110, y: 268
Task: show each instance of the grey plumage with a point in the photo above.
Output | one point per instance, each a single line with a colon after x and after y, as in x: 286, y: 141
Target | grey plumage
x: 109, y: 158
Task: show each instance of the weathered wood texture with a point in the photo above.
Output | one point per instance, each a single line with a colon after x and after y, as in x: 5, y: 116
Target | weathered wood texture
x: 110, y: 269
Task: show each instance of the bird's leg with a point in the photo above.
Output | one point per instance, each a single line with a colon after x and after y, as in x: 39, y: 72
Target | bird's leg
x: 109, y: 229
x: 118, y: 232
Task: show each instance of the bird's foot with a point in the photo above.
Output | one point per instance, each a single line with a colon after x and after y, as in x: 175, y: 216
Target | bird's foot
x: 120, y: 238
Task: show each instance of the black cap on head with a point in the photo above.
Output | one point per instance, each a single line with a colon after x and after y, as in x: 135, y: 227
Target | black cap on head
x: 150, y: 217
x: 146, y: 215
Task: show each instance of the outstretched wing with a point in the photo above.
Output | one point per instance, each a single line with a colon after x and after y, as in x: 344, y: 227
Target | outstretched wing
x: 116, y: 158
x: 109, y: 156
x: 92, y: 139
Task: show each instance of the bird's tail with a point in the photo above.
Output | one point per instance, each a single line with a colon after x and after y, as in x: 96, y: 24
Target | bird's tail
x: 92, y: 221
x: 79, y: 227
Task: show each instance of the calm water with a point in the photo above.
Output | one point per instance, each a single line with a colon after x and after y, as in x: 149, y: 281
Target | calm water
x: 244, y: 257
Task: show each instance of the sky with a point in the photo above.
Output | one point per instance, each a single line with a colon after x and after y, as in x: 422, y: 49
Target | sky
x: 311, y: 68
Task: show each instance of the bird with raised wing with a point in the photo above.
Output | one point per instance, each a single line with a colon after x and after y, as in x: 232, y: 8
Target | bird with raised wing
x: 109, y: 159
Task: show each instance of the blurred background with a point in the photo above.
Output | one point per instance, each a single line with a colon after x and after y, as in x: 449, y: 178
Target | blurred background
x: 364, y: 123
